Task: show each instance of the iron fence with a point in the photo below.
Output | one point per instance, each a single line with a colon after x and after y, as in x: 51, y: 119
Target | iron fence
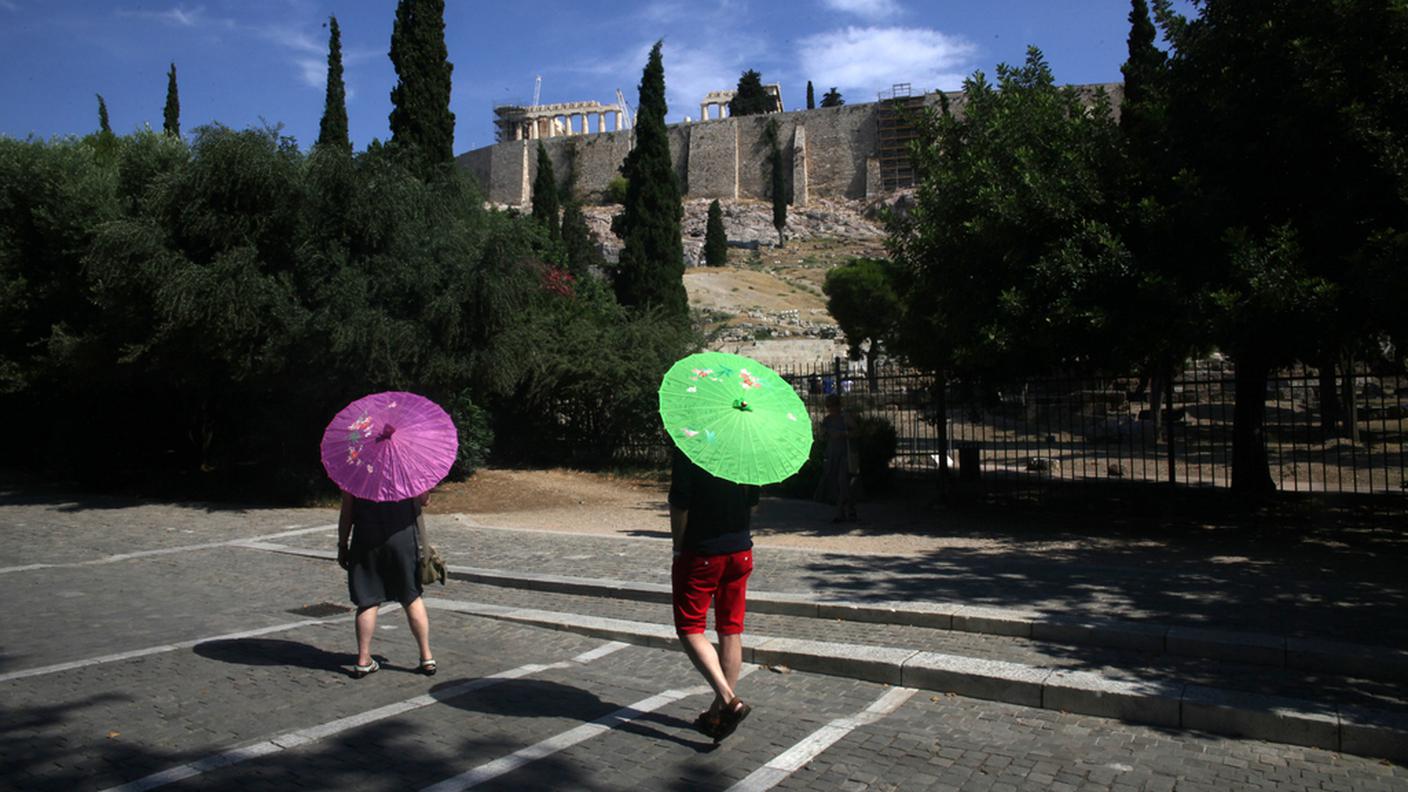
x: 1127, y: 428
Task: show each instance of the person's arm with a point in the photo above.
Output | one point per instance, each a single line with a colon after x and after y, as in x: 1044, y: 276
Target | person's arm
x: 344, y: 529
x: 679, y: 520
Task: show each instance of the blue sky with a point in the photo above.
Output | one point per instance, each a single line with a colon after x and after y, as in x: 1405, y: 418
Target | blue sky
x: 250, y: 62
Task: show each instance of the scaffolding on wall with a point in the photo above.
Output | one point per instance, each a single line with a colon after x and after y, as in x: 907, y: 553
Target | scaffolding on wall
x: 895, y: 117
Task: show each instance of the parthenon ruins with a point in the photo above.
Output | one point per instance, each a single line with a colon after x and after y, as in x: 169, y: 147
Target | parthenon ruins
x: 519, y: 122
x: 720, y: 100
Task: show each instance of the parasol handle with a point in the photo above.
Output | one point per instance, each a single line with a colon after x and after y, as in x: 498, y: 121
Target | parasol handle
x: 386, y: 433
x: 741, y: 406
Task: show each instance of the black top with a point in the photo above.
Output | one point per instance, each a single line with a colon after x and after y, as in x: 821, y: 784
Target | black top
x: 719, y: 511
x: 373, y: 522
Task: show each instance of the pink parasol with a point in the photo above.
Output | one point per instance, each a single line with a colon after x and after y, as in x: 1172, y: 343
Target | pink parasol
x: 389, y: 446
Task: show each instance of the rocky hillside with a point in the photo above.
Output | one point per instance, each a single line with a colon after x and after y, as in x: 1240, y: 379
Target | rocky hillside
x: 767, y: 302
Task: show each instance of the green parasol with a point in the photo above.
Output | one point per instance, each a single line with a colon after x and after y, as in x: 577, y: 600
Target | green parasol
x: 735, y: 417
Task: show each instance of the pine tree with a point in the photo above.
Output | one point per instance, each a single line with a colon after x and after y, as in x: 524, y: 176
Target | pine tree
x: 103, y: 126
x: 171, y: 116
x: 751, y: 98
x: 422, y: 125
x: 333, y: 129
x: 715, y: 238
x: 832, y: 98
x: 546, y: 206
x: 651, y: 269
x: 811, y: 96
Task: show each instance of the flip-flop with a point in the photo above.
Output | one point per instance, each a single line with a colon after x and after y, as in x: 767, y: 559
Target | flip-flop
x: 732, y: 715
x: 427, y: 667
x: 359, y: 671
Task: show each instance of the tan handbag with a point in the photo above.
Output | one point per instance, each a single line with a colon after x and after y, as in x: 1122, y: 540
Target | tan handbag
x: 431, y: 565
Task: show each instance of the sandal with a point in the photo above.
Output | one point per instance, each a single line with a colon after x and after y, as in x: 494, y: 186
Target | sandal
x: 427, y: 667
x: 707, y: 723
x: 359, y: 671
x: 732, y: 715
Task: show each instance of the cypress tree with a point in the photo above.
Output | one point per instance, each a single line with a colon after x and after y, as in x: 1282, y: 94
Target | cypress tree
x: 421, y: 122
x: 545, y: 199
x: 583, y: 254
x: 103, y: 126
x: 811, y: 96
x: 832, y: 98
x: 651, y: 269
x: 780, y: 194
x: 333, y: 129
x: 171, y: 116
x: 751, y: 98
x: 715, y: 238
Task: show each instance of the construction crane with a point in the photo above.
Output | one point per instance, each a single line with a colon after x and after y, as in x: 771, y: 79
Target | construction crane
x: 537, y: 89
x: 625, y: 109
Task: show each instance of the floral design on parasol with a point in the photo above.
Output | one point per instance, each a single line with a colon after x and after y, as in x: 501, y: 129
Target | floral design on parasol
x: 735, y: 417
x: 389, y: 446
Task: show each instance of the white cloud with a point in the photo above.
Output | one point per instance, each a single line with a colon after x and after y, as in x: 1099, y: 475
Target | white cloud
x: 865, y: 9
x: 868, y: 60
x: 180, y: 16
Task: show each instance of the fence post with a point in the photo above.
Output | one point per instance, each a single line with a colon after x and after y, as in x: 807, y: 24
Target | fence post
x: 941, y: 408
x: 836, y: 375
x: 1168, y: 427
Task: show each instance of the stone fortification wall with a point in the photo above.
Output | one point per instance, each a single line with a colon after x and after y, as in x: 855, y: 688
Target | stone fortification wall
x: 830, y: 153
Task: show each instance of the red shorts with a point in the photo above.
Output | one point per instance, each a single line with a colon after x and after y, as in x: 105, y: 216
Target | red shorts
x: 696, y: 579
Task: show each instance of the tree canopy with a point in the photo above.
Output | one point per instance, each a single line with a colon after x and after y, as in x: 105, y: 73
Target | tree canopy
x: 546, y: 206
x: 832, y: 98
x: 715, y: 237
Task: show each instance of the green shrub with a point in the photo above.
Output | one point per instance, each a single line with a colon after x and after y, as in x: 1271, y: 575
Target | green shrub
x: 476, y: 438
x: 876, y: 440
x: 616, y: 190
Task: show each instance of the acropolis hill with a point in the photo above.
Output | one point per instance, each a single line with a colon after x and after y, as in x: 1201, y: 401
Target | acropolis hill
x: 855, y: 151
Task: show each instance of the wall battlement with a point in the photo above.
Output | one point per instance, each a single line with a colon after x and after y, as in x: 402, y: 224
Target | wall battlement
x: 832, y: 152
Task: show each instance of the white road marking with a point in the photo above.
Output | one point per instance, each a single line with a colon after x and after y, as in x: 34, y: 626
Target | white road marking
x: 560, y: 742
x: 794, y: 758
x: 314, y: 733
x: 164, y: 551
x: 151, y: 650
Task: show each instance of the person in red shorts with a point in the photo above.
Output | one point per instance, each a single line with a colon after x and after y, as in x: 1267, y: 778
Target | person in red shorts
x: 709, y: 521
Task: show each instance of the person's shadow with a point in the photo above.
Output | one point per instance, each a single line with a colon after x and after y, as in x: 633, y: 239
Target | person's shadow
x: 273, y: 652
x: 537, y: 698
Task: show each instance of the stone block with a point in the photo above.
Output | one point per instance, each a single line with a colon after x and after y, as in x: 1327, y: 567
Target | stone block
x: 871, y: 663
x: 1372, y: 662
x: 783, y: 604
x: 1241, y: 647
x: 994, y: 680
x: 995, y: 621
x: 1116, y: 634
x: 937, y: 616
x: 1260, y: 717
x: 1155, y: 701
x: 1382, y: 735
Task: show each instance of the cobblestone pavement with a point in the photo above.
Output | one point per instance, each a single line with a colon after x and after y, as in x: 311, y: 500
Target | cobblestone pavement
x: 620, y: 720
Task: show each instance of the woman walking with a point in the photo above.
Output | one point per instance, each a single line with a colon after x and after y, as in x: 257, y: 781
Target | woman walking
x: 836, y: 471
x: 381, y: 563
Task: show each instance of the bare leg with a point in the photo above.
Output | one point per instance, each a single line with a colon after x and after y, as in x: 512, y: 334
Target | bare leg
x: 420, y: 626
x: 702, y: 654
x: 366, y: 627
x: 731, y: 662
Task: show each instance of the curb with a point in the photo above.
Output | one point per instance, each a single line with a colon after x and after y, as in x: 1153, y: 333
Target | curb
x: 1158, y: 702
x: 1276, y: 651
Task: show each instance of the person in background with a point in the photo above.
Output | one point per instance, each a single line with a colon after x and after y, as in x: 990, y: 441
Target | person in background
x: 835, y: 484
x: 381, y: 566
x: 713, y: 557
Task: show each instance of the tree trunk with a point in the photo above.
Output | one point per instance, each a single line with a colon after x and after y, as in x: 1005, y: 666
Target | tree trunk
x: 1350, y: 405
x: 940, y: 399
x: 1251, y: 475
x: 1329, y: 398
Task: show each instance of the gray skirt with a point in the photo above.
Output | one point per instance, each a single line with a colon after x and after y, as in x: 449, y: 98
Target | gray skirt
x: 386, y: 572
